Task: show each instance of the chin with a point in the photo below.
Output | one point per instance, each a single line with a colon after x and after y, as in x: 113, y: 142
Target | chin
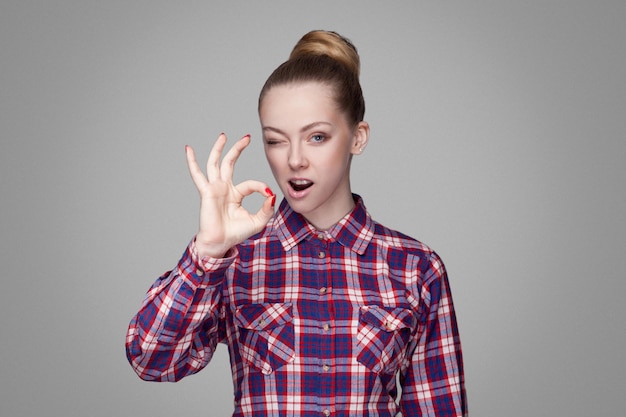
x: 302, y: 207
x: 298, y: 206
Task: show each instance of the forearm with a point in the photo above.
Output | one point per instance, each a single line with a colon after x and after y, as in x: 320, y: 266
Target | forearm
x: 175, y: 332
x: 435, y: 383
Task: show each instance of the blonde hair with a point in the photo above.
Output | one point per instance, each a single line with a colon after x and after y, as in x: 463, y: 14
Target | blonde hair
x: 329, y: 58
x: 321, y: 42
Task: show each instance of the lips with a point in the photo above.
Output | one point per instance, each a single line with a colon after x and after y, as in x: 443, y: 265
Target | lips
x: 300, y: 184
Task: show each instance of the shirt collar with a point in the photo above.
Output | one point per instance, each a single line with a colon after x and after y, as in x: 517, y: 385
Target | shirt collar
x: 354, y: 231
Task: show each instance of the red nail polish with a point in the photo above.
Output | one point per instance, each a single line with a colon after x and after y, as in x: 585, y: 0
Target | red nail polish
x: 273, y: 201
x: 269, y: 192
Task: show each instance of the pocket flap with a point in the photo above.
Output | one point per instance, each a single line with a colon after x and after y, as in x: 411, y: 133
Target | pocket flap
x: 388, y: 318
x: 263, y: 316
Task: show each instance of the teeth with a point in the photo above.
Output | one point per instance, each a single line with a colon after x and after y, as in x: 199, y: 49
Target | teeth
x: 300, y: 185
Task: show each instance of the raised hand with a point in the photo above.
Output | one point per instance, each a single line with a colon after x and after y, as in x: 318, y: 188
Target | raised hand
x: 224, y: 222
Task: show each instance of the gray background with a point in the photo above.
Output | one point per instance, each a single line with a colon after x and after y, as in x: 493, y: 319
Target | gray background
x: 498, y: 138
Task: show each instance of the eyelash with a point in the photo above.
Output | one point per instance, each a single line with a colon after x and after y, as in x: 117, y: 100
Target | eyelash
x: 317, y: 138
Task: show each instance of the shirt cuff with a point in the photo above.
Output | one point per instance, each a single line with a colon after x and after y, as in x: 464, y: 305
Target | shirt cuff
x: 209, y: 271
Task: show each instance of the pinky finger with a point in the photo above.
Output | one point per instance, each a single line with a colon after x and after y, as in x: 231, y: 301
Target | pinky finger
x: 196, y: 173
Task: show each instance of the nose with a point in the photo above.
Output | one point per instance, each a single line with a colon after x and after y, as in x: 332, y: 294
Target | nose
x: 296, y: 158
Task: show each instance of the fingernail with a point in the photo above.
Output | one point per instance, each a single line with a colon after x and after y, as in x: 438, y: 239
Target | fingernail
x: 269, y: 192
x: 273, y: 201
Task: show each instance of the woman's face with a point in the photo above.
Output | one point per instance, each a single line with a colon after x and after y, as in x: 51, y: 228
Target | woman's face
x: 309, y: 145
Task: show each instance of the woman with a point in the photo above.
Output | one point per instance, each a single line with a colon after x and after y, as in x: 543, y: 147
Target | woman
x: 324, y: 311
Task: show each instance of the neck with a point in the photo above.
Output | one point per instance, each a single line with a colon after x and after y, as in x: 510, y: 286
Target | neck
x: 331, y: 215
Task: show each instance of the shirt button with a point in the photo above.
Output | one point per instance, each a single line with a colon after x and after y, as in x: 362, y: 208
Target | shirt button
x: 326, y: 327
x: 326, y: 368
x: 326, y: 412
x: 323, y: 290
x: 199, y: 272
x: 320, y: 236
x: 321, y: 255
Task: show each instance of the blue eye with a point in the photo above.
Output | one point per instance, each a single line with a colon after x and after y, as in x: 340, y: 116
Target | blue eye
x: 318, y: 138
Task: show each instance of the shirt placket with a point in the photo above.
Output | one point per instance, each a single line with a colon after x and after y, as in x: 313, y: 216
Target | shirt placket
x: 326, y: 370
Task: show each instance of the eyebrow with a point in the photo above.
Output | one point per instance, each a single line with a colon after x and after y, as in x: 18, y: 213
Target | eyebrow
x: 303, y: 129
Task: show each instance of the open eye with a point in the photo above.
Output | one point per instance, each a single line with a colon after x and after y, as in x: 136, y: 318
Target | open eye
x: 318, y: 138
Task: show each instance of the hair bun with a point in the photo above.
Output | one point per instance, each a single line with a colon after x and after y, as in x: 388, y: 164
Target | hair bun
x: 327, y: 58
x: 332, y: 44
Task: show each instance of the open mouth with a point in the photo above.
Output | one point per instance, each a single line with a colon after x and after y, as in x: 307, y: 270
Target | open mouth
x: 300, y: 185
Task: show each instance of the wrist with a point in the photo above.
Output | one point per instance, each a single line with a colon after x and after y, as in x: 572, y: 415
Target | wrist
x: 205, y: 250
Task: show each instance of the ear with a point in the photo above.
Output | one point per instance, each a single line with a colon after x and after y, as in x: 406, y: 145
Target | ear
x: 361, y: 136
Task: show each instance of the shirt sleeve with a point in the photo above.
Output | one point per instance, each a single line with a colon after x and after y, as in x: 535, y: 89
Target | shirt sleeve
x: 179, y: 324
x: 434, y: 383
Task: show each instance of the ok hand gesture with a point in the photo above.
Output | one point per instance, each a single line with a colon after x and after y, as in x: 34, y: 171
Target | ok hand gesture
x: 224, y: 222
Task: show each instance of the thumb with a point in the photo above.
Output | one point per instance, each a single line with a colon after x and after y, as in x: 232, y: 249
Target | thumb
x: 266, y: 211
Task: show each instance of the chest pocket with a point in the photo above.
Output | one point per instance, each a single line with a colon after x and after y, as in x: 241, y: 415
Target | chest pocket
x: 383, y: 336
x: 266, y: 335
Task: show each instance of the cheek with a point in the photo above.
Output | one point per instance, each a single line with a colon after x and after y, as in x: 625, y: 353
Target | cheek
x: 272, y: 159
x: 338, y: 157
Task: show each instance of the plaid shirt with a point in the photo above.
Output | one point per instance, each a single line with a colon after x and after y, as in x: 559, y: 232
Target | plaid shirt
x: 354, y: 321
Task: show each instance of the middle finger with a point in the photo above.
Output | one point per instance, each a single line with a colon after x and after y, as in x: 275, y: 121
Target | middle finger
x: 228, y: 164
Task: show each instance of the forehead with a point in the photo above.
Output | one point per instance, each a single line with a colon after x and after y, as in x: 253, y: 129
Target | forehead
x: 297, y: 102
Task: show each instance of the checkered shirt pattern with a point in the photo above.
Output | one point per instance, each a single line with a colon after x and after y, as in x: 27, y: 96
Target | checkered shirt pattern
x: 354, y: 321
